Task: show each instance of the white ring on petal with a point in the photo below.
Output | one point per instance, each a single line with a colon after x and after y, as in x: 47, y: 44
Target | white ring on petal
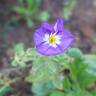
x: 58, y: 40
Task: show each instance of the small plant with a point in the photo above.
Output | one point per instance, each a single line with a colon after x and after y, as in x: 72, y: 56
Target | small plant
x: 28, y: 10
x: 68, y: 74
x: 5, y: 83
x: 69, y: 6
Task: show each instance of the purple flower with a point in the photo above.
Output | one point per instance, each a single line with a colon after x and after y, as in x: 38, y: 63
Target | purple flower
x: 51, y: 40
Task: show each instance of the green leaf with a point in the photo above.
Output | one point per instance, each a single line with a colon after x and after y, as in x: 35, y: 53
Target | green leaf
x: 57, y: 93
x: 66, y: 83
x: 75, y: 53
x: 30, y: 4
x: 29, y: 23
x: 37, y: 2
x: 44, y: 16
x: 69, y: 5
x: 38, y: 89
x: 42, y: 88
x: 4, y: 89
x: 91, y: 61
x: 20, y: 10
x: 19, y: 48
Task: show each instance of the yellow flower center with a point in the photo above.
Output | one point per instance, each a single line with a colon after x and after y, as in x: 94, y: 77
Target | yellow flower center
x: 52, y: 39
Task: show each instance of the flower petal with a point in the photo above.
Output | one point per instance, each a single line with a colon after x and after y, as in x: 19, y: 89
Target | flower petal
x: 47, y: 27
x: 66, y: 39
x: 46, y: 49
x: 65, y: 33
x: 59, y: 25
x: 39, y: 36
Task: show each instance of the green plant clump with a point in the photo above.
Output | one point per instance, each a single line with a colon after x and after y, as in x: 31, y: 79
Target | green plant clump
x: 28, y: 10
x: 67, y: 74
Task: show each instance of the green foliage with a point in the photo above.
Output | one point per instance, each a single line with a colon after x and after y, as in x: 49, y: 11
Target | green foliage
x: 78, y: 93
x: 42, y: 88
x: 67, y: 84
x: 78, y: 68
x: 22, y: 56
x: 4, y: 90
x: 48, y: 75
x: 71, y: 93
x: 44, y: 16
x: 57, y: 93
x: 91, y: 60
x: 5, y: 84
x: 75, y: 53
x: 68, y: 8
x: 28, y: 10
